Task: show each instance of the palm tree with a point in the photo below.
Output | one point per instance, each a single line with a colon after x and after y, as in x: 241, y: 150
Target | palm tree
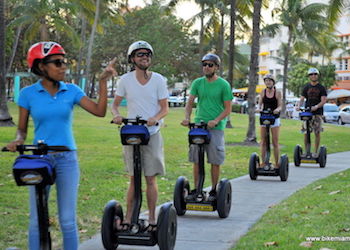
x: 91, y: 40
x: 38, y: 17
x: 253, y: 76
x: 231, y: 60
x: 335, y: 10
x: 303, y: 22
x: 5, y: 118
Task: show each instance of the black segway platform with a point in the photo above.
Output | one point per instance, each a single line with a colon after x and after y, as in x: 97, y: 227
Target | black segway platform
x: 308, y: 157
x: 134, y: 133
x: 199, y: 200
x: 267, y: 118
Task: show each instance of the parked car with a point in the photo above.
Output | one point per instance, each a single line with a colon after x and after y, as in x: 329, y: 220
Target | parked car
x: 176, y: 101
x: 330, y: 112
x: 344, y: 115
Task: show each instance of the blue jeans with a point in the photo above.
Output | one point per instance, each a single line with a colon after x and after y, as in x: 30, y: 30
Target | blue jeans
x: 67, y: 181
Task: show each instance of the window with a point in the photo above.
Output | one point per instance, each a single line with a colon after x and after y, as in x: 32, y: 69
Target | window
x: 271, y: 71
x: 340, y: 64
x: 346, y: 64
x: 278, y: 72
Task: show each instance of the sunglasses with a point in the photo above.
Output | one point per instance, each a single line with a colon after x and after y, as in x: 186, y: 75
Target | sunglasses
x: 58, y: 62
x: 313, y: 74
x: 142, y: 54
x: 210, y: 65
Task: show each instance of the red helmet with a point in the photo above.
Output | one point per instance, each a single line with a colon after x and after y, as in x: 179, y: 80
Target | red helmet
x: 41, y: 50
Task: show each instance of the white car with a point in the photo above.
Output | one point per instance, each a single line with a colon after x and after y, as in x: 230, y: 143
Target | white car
x: 330, y: 112
x: 344, y: 115
x: 176, y: 101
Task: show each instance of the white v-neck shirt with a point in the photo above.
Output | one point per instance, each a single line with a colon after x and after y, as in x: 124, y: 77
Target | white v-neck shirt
x: 143, y: 100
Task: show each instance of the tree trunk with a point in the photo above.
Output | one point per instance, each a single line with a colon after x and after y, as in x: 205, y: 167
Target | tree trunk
x: 14, y: 49
x: 285, y: 74
x: 201, y: 34
x: 221, y: 42
x: 44, y: 34
x: 81, y: 50
x: 231, y: 60
x: 5, y: 118
x: 253, y: 76
x: 231, y: 56
x: 91, y: 43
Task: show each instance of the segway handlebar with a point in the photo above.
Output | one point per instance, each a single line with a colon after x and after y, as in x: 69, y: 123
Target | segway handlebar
x: 135, y: 121
x: 198, y: 125
x: 40, y: 148
x: 305, y: 109
x: 266, y: 112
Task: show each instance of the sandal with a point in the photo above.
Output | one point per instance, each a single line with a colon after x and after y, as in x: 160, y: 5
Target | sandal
x: 120, y: 226
x: 124, y: 226
x: 151, y: 228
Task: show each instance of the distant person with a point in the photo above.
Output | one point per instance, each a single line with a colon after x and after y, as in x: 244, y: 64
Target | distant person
x: 147, y: 96
x: 289, y: 109
x: 315, y: 96
x: 270, y: 99
x: 214, y: 105
x: 50, y: 102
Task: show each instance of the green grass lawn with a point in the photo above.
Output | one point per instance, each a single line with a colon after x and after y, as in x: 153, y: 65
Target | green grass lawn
x: 102, y: 171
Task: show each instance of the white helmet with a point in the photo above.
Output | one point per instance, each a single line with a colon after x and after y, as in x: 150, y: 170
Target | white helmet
x: 313, y: 71
x: 138, y: 45
x: 269, y: 76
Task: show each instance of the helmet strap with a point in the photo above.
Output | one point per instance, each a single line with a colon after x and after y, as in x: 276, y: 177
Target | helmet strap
x: 47, y: 77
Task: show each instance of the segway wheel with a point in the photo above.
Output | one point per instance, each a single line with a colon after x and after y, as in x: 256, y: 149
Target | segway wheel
x: 284, y: 167
x: 112, y: 212
x: 298, y: 151
x: 166, y: 227
x: 322, y: 156
x: 224, y: 198
x: 254, y: 163
x: 182, y: 188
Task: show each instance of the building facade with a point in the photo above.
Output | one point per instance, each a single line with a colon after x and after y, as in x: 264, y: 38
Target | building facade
x: 271, y: 61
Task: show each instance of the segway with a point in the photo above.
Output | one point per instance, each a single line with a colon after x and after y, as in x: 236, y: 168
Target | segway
x: 267, y: 118
x: 299, y: 157
x: 37, y: 170
x: 198, y: 201
x: 135, y: 134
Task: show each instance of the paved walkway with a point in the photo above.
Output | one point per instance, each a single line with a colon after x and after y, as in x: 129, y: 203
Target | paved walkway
x: 250, y: 200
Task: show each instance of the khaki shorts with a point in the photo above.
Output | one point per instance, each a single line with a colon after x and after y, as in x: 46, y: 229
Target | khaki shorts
x: 315, y: 124
x: 215, y: 149
x: 152, y: 157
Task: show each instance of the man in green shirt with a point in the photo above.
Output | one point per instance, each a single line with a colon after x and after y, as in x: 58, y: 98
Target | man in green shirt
x: 214, y: 98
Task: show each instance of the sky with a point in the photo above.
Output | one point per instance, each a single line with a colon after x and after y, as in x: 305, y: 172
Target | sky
x: 186, y: 9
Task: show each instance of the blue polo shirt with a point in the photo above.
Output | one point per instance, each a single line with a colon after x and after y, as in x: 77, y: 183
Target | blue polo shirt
x: 52, y: 115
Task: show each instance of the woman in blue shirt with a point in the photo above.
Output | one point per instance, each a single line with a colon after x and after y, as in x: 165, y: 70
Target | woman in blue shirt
x: 50, y: 103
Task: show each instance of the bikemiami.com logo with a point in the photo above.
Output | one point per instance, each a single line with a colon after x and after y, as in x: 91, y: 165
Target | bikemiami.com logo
x: 329, y: 238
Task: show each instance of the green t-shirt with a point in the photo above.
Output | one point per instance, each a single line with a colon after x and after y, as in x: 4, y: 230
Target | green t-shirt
x: 211, y: 97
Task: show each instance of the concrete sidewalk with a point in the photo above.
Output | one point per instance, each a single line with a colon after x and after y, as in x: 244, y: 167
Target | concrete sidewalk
x: 250, y: 200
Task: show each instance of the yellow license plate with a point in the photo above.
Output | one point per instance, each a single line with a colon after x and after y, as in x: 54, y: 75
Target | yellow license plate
x: 308, y: 161
x: 200, y: 207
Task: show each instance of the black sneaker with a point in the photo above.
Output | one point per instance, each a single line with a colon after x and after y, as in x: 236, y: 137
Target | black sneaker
x: 212, y: 195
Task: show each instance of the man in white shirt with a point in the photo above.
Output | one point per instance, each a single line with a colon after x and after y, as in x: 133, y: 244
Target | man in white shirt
x: 147, y: 96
